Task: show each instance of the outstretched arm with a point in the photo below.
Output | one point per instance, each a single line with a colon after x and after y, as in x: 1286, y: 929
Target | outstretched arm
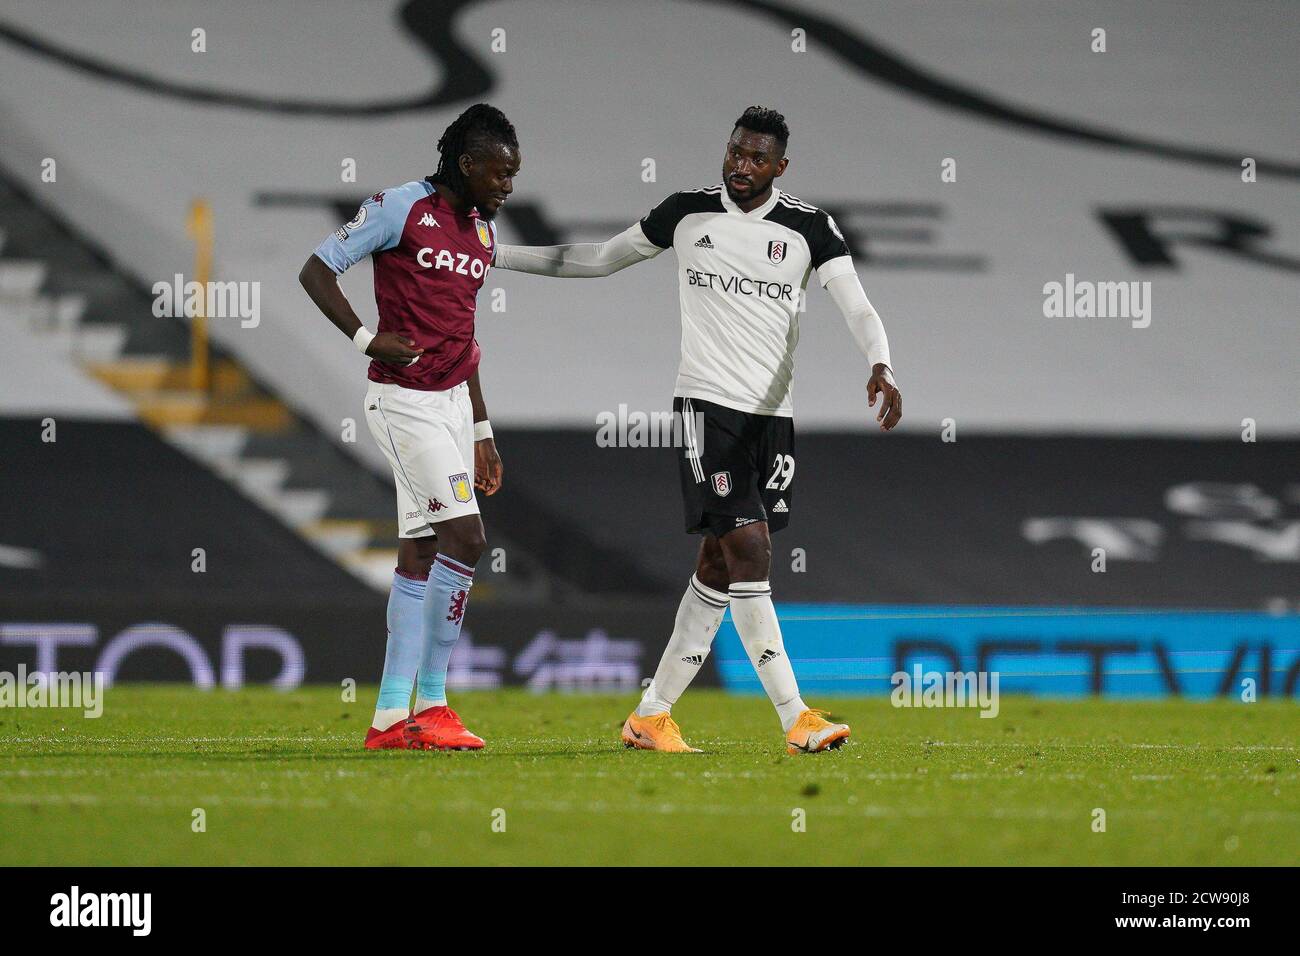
x: 580, y: 260
x: 869, y: 332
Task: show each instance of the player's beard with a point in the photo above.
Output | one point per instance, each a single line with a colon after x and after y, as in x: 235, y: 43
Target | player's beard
x: 755, y: 189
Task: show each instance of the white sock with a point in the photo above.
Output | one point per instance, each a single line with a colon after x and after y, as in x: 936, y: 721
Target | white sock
x: 387, y: 716
x: 423, y: 703
x: 698, y: 617
x: 760, y: 632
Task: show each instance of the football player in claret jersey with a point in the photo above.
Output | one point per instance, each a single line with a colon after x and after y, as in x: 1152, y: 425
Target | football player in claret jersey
x: 431, y: 242
x: 744, y: 250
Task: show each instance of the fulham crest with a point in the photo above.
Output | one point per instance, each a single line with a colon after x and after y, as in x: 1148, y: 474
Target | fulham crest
x: 776, y: 250
x: 721, y: 483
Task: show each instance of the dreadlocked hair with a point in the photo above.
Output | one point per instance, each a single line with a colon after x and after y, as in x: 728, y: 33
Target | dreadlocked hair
x: 760, y: 119
x: 478, y: 126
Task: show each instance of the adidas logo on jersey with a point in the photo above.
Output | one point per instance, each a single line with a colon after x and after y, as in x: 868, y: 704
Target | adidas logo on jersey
x: 696, y: 659
x: 703, y: 242
x: 780, y: 507
x: 768, y: 656
x: 428, y: 220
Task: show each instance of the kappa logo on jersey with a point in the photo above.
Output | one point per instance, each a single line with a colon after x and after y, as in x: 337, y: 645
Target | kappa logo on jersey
x: 460, y: 263
x: 704, y: 242
x: 377, y: 199
x: 721, y: 483
x: 435, y: 506
x: 428, y: 220
x: 776, y: 250
x: 768, y: 656
x: 460, y: 489
x: 780, y: 507
x: 484, y: 233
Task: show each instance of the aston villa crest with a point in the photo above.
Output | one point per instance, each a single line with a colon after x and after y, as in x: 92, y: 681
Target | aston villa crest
x: 460, y: 489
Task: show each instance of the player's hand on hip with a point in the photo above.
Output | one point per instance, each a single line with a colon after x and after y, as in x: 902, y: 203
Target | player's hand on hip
x: 881, y: 384
x: 487, y: 466
x: 394, y: 348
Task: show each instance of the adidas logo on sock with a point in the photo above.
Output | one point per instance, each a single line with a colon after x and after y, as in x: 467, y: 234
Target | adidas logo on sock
x: 696, y: 659
x: 780, y: 507
x: 768, y: 656
x: 704, y: 242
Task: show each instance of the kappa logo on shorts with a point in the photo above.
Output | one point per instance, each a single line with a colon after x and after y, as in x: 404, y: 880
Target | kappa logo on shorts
x: 435, y: 506
x: 460, y: 489
x: 721, y: 483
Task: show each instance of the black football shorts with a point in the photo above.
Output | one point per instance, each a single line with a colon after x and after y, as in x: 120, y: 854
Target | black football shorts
x: 736, y: 467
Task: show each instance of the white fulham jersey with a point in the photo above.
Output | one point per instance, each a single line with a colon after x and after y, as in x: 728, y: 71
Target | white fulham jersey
x: 742, y: 277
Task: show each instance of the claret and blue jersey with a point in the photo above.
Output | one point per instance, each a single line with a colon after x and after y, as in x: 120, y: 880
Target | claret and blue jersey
x: 429, y: 261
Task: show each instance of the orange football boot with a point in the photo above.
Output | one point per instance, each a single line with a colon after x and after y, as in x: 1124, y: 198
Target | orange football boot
x: 813, y: 733
x: 656, y: 732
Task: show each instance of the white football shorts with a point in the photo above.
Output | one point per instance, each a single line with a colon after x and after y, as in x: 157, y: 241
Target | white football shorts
x: 428, y: 438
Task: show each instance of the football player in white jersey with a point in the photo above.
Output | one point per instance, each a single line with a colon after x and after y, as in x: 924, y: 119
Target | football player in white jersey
x: 745, y: 251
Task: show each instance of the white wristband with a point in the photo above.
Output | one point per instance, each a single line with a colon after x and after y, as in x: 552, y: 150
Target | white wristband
x: 482, y: 430
x: 362, y: 339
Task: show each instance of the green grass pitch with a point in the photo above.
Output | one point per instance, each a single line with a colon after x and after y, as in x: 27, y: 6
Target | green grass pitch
x: 282, y: 779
